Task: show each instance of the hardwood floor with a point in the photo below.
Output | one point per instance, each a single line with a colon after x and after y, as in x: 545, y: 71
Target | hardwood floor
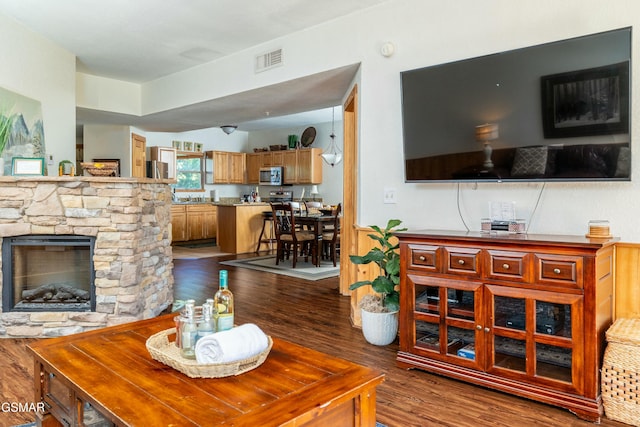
x: 315, y: 315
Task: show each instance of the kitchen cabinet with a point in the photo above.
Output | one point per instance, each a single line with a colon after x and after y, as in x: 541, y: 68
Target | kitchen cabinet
x: 240, y: 226
x: 254, y: 163
x: 178, y: 223
x: 228, y: 167
x: 309, y: 166
x: 236, y: 168
x: 303, y: 166
x: 524, y: 314
x: 193, y: 222
x: 290, y: 166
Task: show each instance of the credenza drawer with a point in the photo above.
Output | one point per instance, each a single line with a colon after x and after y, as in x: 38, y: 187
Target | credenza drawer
x: 507, y: 265
x: 462, y: 261
x: 424, y: 257
x: 559, y: 270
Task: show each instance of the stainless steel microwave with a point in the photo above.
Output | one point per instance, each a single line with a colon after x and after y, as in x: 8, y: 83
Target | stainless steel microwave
x: 271, y: 175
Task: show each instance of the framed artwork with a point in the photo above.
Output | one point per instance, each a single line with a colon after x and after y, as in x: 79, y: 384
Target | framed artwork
x: 197, y: 146
x: 177, y: 145
x: 21, y: 166
x: 587, y: 102
x: 187, y: 146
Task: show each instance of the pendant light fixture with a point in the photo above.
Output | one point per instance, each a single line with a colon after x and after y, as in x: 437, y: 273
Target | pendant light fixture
x: 332, y: 155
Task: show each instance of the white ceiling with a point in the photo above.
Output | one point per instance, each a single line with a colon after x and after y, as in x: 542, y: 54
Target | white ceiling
x: 141, y: 40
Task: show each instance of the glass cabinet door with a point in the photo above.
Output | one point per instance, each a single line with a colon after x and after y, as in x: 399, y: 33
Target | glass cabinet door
x: 532, y: 334
x: 446, y: 318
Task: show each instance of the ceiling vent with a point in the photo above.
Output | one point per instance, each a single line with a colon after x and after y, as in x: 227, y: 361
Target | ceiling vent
x: 268, y: 60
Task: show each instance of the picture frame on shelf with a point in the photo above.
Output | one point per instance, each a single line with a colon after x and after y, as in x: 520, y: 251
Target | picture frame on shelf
x: 187, y: 146
x: 593, y: 101
x: 27, y: 166
x: 197, y: 146
x: 177, y: 145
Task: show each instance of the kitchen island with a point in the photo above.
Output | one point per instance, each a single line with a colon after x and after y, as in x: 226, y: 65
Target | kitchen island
x: 239, y: 226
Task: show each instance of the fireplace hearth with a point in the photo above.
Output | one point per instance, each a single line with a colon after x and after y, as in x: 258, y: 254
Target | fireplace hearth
x: 48, y: 273
x: 124, y: 274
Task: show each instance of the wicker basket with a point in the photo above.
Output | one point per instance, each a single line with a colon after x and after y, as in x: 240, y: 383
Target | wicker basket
x: 621, y: 372
x: 162, y: 350
x: 100, y: 168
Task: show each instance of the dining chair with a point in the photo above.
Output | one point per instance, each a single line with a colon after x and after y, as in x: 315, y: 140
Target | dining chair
x: 288, y: 238
x: 331, y: 238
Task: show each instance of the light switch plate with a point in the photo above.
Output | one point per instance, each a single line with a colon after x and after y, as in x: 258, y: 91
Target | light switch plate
x: 389, y: 195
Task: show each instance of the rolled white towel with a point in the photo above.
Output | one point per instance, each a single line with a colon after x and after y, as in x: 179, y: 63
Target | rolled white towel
x: 231, y: 345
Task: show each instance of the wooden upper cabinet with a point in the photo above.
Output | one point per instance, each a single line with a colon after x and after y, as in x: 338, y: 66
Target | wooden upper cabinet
x: 290, y: 165
x: 309, y: 166
x: 220, y: 167
x: 236, y: 168
x: 138, y: 156
x: 303, y: 166
x: 228, y: 167
x: 254, y: 163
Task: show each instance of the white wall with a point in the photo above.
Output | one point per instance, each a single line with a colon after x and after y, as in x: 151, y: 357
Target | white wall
x: 425, y: 32
x: 109, y: 142
x: 35, y: 67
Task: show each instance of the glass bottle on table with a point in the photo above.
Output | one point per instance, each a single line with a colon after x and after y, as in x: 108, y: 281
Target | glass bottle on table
x: 207, y: 326
x: 188, y: 331
x: 223, y: 300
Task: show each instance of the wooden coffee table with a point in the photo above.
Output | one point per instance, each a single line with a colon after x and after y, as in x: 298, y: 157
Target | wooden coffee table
x: 108, y: 375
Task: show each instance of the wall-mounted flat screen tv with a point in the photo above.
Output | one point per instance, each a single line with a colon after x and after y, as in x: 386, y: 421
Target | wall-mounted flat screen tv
x: 554, y: 112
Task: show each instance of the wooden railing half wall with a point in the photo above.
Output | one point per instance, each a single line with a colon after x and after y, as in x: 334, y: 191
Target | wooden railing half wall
x: 627, y: 285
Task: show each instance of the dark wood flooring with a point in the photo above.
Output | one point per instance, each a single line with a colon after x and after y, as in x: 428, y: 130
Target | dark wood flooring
x: 315, y: 315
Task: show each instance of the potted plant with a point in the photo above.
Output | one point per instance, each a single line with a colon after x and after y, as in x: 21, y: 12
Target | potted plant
x: 380, y: 312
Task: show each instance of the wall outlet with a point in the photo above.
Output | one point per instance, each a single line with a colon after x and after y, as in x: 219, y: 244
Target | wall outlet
x: 50, y: 159
x: 389, y: 195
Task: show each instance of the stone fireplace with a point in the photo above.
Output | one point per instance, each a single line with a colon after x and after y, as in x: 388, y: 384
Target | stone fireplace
x: 126, y: 221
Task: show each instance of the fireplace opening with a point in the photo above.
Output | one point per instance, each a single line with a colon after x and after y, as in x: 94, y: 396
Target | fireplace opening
x: 48, y: 273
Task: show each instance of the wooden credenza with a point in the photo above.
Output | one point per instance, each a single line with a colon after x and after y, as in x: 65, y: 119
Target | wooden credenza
x: 524, y: 314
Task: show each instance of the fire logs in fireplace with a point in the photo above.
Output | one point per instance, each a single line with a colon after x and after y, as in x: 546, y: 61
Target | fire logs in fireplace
x: 56, y: 293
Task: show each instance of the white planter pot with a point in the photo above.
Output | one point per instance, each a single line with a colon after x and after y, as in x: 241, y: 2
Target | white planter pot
x: 379, y: 328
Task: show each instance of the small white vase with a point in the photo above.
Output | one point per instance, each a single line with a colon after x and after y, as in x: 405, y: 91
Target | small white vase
x: 1, y: 166
x: 379, y: 328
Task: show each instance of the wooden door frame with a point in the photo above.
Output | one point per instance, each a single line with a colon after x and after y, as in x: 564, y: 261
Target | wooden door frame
x: 348, y: 235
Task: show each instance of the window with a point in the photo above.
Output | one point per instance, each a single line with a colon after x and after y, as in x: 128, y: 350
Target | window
x: 190, y: 174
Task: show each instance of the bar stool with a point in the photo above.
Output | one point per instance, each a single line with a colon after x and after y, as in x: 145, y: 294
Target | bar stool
x: 267, y: 218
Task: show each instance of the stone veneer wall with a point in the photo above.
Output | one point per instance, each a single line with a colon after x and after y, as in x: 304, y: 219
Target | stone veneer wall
x: 131, y: 220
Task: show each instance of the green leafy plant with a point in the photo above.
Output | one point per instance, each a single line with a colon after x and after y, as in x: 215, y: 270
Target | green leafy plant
x: 387, y: 258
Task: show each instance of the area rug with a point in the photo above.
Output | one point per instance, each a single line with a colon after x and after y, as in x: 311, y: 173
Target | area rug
x: 303, y: 270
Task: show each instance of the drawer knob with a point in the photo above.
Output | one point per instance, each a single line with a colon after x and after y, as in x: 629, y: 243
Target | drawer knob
x: 505, y: 266
x: 487, y: 329
x: 461, y: 261
x: 479, y: 327
x: 556, y: 270
x: 422, y: 258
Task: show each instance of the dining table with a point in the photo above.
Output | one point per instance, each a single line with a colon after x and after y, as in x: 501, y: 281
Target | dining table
x: 315, y: 223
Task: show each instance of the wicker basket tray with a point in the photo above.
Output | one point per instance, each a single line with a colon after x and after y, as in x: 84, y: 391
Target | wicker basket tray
x: 100, y: 168
x: 162, y: 350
